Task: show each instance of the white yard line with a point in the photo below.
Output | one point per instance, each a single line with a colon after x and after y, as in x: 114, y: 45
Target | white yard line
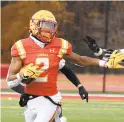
x: 74, y: 95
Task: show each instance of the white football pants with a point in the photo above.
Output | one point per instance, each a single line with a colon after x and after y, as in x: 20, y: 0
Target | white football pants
x: 41, y: 109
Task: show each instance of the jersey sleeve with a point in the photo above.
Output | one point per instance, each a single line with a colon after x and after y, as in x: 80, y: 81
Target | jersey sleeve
x: 66, y: 48
x: 18, y: 50
x: 69, y: 50
x: 14, y: 50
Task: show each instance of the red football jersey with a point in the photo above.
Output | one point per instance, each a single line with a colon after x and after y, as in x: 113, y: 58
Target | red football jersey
x: 50, y: 56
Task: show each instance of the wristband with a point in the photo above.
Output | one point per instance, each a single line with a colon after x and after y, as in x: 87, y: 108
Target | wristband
x: 79, y: 85
x: 99, y: 53
x: 102, y: 63
x: 14, y: 83
x: 121, y: 50
x: 18, y: 76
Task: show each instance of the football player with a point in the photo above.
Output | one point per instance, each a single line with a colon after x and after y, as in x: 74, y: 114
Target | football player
x: 72, y: 77
x: 104, y: 54
x: 37, y: 57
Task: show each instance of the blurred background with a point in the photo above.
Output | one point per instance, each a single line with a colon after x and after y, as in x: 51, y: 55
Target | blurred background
x: 102, y: 20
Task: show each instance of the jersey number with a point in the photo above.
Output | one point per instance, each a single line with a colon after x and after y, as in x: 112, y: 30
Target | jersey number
x: 45, y: 67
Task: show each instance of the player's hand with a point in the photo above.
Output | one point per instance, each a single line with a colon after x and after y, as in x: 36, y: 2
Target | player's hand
x: 30, y: 71
x: 107, y: 54
x: 115, y: 59
x: 92, y: 44
x: 83, y: 93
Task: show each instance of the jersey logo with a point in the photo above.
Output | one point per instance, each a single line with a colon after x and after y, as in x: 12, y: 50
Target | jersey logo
x: 52, y: 50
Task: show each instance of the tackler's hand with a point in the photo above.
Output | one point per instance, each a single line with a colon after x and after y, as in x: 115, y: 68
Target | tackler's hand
x: 30, y: 71
x: 92, y: 44
x: 83, y: 93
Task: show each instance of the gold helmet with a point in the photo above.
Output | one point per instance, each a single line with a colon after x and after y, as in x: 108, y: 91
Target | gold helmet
x: 43, y: 25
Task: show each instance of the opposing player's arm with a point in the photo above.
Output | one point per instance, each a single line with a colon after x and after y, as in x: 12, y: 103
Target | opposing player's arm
x: 73, y: 78
x: 70, y: 75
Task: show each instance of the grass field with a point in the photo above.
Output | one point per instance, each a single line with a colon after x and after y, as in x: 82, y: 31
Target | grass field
x: 74, y: 110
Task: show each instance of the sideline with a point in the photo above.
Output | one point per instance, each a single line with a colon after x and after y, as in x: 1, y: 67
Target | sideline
x: 73, y: 96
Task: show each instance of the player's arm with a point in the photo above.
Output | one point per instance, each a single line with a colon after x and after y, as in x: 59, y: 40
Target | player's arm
x: 84, y: 60
x: 114, y: 60
x: 73, y: 78
x: 18, y: 73
x: 13, y: 77
x: 12, y: 80
x: 67, y: 54
x: 70, y: 75
x: 105, y: 54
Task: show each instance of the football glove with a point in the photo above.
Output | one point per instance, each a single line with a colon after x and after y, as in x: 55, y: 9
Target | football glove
x: 115, y: 59
x: 83, y: 93
x: 30, y: 71
x: 92, y: 44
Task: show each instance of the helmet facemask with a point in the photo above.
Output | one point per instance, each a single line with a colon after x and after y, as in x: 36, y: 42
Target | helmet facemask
x: 47, y: 30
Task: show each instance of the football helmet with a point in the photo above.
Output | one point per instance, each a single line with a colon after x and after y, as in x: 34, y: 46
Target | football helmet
x: 43, y: 25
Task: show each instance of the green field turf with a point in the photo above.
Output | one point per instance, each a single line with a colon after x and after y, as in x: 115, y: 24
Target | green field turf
x: 73, y: 91
x: 74, y: 110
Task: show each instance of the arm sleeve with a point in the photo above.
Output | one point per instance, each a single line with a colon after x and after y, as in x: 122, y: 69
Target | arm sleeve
x: 18, y: 89
x: 70, y: 75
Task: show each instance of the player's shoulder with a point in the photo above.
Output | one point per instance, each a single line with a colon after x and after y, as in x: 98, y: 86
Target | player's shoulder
x: 25, y: 41
x: 21, y: 46
x: 60, y: 42
x: 22, y: 42
x: 63, y: 45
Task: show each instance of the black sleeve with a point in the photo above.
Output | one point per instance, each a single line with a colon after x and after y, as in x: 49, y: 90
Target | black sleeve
x: 18, y: 89
x: 70, y: 75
